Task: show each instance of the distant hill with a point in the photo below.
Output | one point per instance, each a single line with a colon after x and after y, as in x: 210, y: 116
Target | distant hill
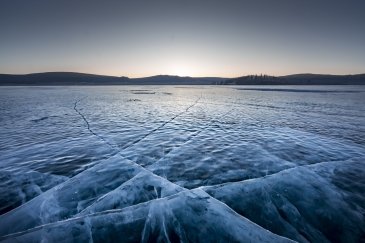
x: 60, y: 78
x: 70, y: 78
x: 299, y: 79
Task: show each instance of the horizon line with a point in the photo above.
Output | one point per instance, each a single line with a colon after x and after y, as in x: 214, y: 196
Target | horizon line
x: 184, y: 76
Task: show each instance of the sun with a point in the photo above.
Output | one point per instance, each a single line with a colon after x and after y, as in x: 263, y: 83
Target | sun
x: 181, y: 69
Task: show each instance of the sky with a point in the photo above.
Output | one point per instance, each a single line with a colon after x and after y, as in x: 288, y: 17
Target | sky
x: 222, y: 38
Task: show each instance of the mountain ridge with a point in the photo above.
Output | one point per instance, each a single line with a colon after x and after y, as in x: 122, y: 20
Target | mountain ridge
x: 75, y: 78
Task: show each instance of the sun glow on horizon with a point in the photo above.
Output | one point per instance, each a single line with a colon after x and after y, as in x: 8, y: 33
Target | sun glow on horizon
x: 180, y: 69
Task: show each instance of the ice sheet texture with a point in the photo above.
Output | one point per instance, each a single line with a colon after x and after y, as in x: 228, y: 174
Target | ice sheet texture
x: 182, y: 163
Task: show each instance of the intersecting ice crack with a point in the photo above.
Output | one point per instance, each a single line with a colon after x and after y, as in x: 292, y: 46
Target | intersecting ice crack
x: 212, y: 121
x: 138, y: 140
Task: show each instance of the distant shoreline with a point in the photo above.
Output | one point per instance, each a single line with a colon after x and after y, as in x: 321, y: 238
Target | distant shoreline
x: 83, y: 79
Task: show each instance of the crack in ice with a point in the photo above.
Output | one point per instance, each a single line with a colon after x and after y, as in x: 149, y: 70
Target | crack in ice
x: 88, y: 125
x: 162, y: 125
x: 273, y: 174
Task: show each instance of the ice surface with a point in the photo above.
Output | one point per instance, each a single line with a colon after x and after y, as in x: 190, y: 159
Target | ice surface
x: 202, y: 163
x: 238, y: 155
x: 70, y: 197
x: 317, y: 203
x: 143, y: 187
x: 190, y: 216
x: 18, y: 189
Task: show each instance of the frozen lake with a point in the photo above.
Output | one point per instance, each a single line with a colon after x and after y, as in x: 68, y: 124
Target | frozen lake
x: 188, y: 163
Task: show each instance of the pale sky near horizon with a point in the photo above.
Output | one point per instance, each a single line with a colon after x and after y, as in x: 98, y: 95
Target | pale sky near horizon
x: 189, y: 38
